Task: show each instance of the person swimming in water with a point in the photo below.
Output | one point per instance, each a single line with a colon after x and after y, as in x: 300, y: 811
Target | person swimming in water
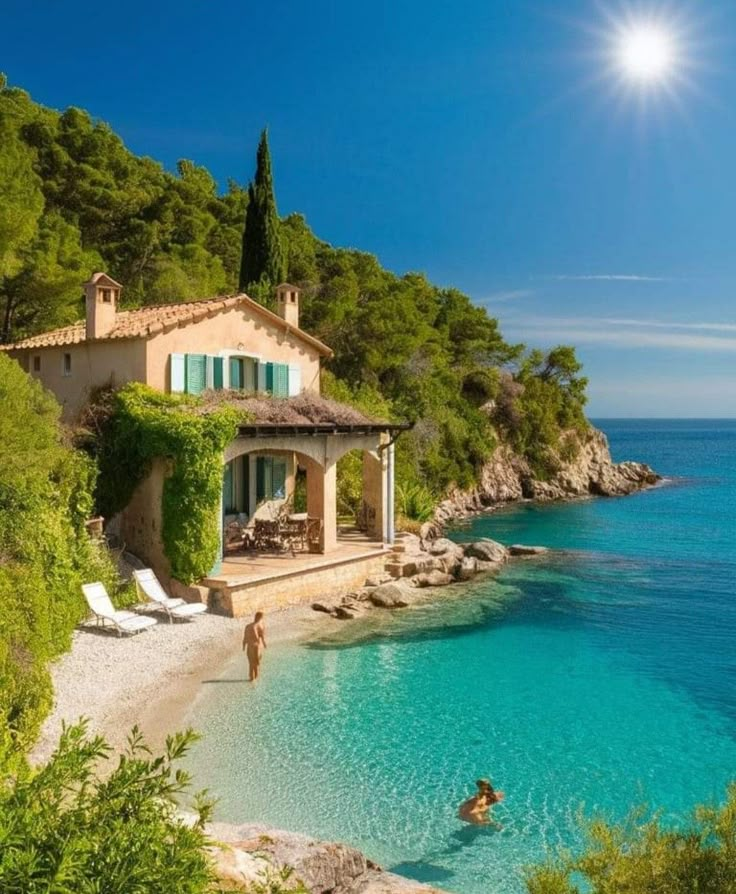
x: 476, y: 808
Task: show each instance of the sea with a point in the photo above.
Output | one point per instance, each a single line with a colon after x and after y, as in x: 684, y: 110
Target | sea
x: 586, y: 682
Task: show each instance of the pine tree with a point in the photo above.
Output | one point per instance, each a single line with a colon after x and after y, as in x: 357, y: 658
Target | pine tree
x: 263, y: 257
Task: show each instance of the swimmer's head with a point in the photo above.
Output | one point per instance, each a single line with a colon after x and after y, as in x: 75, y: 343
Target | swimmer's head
x: 259, y: 616
x: 483, y: 784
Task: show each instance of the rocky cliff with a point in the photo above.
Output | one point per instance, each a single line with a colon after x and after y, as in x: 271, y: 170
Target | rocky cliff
x: 507, y: 477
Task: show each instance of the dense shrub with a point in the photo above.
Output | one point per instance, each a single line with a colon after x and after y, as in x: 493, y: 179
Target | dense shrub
x: 541, y: 410
x: 643, y: 856
x: 45, y: 553
x: 79, y: 826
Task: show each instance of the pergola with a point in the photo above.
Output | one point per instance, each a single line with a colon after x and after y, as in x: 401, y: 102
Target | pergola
x: 318, y: 447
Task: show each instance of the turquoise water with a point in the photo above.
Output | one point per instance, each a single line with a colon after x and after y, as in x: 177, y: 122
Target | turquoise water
x: 596, y: 678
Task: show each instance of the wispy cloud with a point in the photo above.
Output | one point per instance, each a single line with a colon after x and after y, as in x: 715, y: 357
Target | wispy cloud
x: 502, y: 297
x: 627, y: 333
x: 606, y: 277
x: 663, y: 324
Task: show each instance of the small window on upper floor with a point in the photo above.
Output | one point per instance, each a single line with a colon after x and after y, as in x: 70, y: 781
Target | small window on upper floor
x: 37, y: 363
x: 107, y: 296
x: 67, y: 365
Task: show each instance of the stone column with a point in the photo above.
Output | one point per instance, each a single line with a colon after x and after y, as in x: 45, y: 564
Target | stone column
x: 390, y: 485
x: 374, y: 493
x: 322, y: 501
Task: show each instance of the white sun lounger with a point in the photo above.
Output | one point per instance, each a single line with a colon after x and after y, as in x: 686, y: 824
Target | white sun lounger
x: 103, y: 609
x: 147, y: 581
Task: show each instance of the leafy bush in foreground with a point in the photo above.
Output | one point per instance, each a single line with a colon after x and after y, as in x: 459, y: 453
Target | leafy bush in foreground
x: 640, y: 856
x: 74, y: 828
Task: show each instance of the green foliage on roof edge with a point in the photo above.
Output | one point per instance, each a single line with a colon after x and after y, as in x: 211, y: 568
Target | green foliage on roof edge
x: 138, y: 426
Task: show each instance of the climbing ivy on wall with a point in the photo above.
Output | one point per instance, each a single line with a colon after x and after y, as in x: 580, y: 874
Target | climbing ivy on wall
x: 143, y: 425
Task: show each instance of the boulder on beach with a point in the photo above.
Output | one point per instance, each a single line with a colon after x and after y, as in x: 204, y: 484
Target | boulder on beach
x: 327, y: 606
x: 390, y: 596
x: 487, y: 551
x: 433, y: 579
x: 380, y: 577
x: 348, y: 611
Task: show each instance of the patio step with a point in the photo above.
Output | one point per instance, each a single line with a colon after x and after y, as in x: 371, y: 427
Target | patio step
x: 408, y: 567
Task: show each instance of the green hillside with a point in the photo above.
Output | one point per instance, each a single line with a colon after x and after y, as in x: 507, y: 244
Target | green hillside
x: 75, y: 200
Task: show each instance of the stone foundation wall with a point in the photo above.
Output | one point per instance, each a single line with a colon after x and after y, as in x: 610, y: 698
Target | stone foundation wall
x: 303, y: 587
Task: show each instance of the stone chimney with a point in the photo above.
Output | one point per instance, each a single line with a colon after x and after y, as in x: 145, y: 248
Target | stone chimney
x: 101, y: 296
x: 287, y: 303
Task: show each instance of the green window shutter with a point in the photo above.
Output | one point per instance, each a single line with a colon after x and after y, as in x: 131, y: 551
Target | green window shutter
x: 236, y: 369
x: 260, y: 478
x: 278, y: 488
x: 280, y: 380
x: 261, y: 369
x: 196, y: 373
x: 217, y: 373
x: 245, y: 477
x: 228, y: 495
x: 270, y: 377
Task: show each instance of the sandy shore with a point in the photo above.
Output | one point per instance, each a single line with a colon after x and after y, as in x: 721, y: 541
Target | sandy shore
x: 149, y: 679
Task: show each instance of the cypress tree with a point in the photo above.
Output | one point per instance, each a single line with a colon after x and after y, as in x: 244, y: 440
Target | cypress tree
x: 263, y: 256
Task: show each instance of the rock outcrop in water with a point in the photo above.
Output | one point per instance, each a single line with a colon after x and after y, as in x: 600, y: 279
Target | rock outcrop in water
x: 246, y: 856
x: 508, y: 478
x: 416, y: 565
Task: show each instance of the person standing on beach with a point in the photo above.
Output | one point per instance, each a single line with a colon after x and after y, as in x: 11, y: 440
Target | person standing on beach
x: 254, y: 642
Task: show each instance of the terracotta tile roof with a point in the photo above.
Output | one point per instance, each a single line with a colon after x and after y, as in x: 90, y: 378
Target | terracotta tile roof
x: 148, y: 321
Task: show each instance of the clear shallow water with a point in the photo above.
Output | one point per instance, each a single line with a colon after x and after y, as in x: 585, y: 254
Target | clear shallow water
x: 600, y: 677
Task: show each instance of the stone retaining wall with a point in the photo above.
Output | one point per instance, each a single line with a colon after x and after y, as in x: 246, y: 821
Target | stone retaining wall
x: 303, y: 587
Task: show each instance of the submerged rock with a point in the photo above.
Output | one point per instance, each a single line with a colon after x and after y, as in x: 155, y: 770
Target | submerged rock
x: 518, y: 549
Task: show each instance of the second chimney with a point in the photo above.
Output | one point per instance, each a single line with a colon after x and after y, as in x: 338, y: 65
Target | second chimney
x: 101, y: 294
x: 287, y: 303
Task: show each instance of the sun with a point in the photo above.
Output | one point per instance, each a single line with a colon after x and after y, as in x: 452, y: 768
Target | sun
x: 646, y: 53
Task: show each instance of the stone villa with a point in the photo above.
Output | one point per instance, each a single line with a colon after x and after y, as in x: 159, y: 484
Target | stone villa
x: 231, y: 343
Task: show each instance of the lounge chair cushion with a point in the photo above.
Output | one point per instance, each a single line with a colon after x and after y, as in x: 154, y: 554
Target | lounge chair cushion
x: 187, y: 609
x: 179, y: 608
x: 101, y: 605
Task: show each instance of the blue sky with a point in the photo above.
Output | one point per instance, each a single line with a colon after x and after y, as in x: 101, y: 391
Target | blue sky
x: 483, y: 142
